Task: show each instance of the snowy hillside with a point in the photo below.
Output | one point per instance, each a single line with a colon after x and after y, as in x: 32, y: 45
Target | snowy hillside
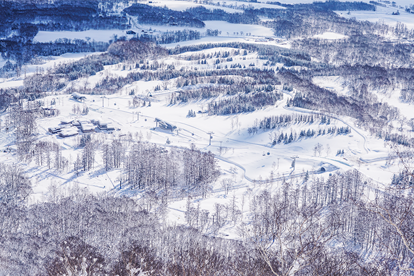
x: 206, y: 138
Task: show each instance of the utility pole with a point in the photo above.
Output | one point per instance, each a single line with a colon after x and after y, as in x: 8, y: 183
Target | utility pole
x: 211, y: 137
x: 294, y: 161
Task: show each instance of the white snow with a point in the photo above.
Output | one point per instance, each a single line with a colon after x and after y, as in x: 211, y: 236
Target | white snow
x: 330, y: 35
x: 333, y: 83
x: 252, y: 156
x: 249, y: 5
x: 382, y: 14
x: 97, y: 35
x: 183, y: 5
x: 224, y: 27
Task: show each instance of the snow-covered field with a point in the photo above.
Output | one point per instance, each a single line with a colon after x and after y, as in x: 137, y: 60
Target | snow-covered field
x: 252, y: 156
x: 382, y: 14
x: 249, y: 159
x: 45, y: 63
x: 183, y: 5
x: 227, y: 30
x: 91, y: 35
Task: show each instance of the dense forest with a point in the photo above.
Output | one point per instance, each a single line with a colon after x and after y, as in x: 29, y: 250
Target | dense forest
x: 75, y: 232
x: 162, y: 16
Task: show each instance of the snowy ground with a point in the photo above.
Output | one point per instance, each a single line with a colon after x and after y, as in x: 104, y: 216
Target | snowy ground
x: 183, y: 5
x: 252, y: 156
x: 92, y: 35
x: 383, y: 14
x: 45, y: 63
x: 330, y: 35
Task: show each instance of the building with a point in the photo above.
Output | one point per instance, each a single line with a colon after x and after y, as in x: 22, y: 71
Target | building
x: 54, y: 130
x: 78, y: 97
x: 68, y: 132
x: 66, y: 121
x: 104, y: 125
x: 164, y: 125
x: 87, y: 128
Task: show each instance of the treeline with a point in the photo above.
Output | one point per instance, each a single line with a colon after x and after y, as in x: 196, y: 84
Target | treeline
x: 82, y: 68
x: 170, y: 36
x: 163, y: 16
x: 150, y: 167
x: 119, y: 51
x: 49, y: 154
x: 73, y: 16
x: 146, y: 166
x: 274, y: 54
x: 111, y: 85
x: 209, y: 91
x: 370, y: 113
x: 304, y: 22
x: 23, y: 53
x: 55, y: 80
x: 243, y: 103
x: 358, y: 50
x: 247, y: 17
x: 317, y: 226
x: 262, y: 50
x: 202, y: 58
x: 286, y: 138
x: 400, y: 139
x: 74, y: 231
x: 107, y: 235
x: 290, y: 119
x: 134, y: 50
x: 333, y: 6
x: 365, y: 78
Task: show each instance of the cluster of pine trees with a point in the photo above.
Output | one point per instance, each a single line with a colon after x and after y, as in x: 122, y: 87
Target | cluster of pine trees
x: 280, y: 137
x: 290, y: 119
x: 243, y: 103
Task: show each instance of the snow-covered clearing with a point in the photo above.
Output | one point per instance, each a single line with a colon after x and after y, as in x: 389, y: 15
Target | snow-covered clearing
x: 330, y: 35
x: 253, y: 156
x: 332, y: 83
x: 183, y: 5
x: 44, y: 63
x: 92, y: 35
x: 382, y: 14
x: 246, y: 5
x: 251, y: 160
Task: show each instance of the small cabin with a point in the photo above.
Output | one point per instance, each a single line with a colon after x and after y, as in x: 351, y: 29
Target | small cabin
x: 104, y: 125
x: 54, y: 130
x: 78, y: 97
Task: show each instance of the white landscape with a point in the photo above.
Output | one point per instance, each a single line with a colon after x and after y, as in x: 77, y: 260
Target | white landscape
x: 283, y: 146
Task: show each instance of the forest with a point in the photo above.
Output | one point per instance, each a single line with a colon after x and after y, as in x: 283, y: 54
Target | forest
x: 254, y: 155
x: 75, y: 232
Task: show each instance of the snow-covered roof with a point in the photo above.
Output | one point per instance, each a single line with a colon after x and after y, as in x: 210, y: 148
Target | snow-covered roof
x: 87, y: 127
x: 69, y: 132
